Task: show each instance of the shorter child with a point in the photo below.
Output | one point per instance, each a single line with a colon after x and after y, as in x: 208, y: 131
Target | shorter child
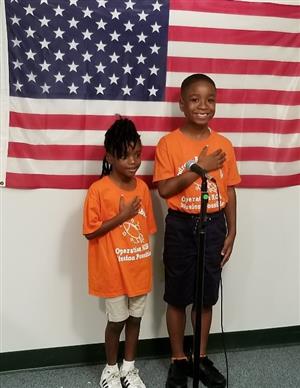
x: 118, y: 219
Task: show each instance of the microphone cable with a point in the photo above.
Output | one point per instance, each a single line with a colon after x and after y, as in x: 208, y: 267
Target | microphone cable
x: 222, y: 307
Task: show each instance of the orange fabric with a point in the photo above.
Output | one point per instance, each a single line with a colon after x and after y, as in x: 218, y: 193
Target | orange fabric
x: 120, y: 261
x: 175, y: 149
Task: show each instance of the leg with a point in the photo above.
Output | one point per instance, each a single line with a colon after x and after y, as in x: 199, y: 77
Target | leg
x: 132, y: 331
x: 112, y: 337
x: 206, y: 319
x: 176, y: 320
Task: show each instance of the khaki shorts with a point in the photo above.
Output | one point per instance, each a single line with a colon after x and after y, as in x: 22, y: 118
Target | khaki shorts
x: 118, y: 309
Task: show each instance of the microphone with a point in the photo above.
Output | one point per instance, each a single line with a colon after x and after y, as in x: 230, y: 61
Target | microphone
x: 193, y: 166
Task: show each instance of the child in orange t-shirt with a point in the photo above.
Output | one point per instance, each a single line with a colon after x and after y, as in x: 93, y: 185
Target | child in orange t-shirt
x: 118, y: 219
x: 196, y: 143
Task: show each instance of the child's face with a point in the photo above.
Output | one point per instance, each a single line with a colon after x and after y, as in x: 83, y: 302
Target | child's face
x: 198, y: 103
x: 126, y: 167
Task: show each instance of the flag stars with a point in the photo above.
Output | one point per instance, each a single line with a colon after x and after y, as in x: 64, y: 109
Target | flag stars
x: 127, y: 69
x: 73, y: 23
x: 29, y: 32
x: 156, y: 6
x: 87, y: 13
x: 45, y: 66
x: 59, y: 55
x: 45, y: 88
x: 17, y: 64
x: 86, y: 78
x: 128, y: 26
x: 73, y: 88
x: 59, y: 33
x: 44, y: 21
x: 152, y: 91
x: 31, y: 77
x: 153, y: 70
x: 87, y: 34
x: 141, y: 59
x: 30, y: 54
x: 73, y: 45
x: 143, y: 16
x: 87, y: 57
x: 29, y: 10
x: 154, y: 49
x: 73, y: 2
x: 126, y: 90
x: 58, y: 11
x: 115, y: 36
x: 101, y: 24
x: 100, y: 46
x: 128, y: 47
x: 114, y: 57
x: 155, y: 27
x: 101, y: 3
x: 59, y: 77
x: 142, y: 37
x: 15, y: 20
x: 129, y: 4
x: 100, y: 68
x: 113, y: 79
x: 100, y: 89
x: 115, y: 14
x: 140, y: 80
x: 18, y: 86
x: 16, y: 42
x: 44, y: 44
x: 73, y: 67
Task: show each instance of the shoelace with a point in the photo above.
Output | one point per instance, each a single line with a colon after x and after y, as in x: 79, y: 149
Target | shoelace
x: 132, y: 377
x: 113, y: 378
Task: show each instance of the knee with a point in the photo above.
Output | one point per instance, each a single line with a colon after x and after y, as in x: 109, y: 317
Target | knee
x: 115, y: 327
x: 134, y: 321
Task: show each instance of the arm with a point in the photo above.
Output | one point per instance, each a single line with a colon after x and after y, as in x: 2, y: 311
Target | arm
x: 172, y: 186
x: 126, y: 212
x: 230, y: 214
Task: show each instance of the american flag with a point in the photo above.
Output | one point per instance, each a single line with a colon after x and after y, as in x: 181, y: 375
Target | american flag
x: 74, y: 65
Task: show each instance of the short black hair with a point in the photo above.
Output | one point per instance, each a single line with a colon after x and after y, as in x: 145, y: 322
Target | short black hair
x: 195, y: 78
x: 118, y: 138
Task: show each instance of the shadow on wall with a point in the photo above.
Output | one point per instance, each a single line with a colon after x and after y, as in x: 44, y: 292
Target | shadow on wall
x: 87, y: 320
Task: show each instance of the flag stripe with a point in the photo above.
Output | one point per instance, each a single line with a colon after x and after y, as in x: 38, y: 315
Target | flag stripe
x: 94, y: 152
x: 89, y: 137
x: 147, y: 123
x: 233, y: 66
x: 236, y: 96
x: 146, y: 168
x: 241, y: 37
x: 237, y: 8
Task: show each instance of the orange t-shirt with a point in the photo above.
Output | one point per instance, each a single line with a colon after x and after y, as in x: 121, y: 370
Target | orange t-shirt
x: 175, y: 149
x: 120, y: 261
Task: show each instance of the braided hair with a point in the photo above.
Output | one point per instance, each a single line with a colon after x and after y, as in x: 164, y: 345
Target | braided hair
x: 118, y: 138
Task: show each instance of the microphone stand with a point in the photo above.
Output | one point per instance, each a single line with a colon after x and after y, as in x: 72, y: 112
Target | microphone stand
x: 200, y: 280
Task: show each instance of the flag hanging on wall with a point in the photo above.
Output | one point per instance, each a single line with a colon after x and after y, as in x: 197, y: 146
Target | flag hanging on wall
x: 73, y: 65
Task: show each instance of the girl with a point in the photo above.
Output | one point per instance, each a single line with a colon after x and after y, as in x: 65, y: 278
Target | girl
x: 118, y: 219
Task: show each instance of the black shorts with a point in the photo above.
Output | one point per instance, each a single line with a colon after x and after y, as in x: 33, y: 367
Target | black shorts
x: 180, y: 257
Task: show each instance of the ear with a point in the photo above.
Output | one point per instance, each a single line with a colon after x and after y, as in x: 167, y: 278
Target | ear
x: 109, y: 158
x: 181, y: 104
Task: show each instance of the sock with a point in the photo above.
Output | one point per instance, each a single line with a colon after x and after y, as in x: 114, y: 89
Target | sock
x: 112, y: 368
x: 127, y: 365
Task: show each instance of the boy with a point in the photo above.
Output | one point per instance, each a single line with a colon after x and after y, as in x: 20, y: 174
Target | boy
x: 181, y: 189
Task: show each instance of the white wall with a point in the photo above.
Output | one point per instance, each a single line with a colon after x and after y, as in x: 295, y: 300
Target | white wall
x: 44, y: 300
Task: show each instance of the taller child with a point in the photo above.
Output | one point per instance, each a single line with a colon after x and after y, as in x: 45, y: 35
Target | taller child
x: 181, y: 189
x: 118, y: 220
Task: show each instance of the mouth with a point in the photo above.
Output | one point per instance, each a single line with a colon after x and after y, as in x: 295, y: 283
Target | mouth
x: 202, y: 115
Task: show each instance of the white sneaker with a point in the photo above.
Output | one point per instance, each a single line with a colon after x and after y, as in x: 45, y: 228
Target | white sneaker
x: 110, y: 379
x: 131, y: 379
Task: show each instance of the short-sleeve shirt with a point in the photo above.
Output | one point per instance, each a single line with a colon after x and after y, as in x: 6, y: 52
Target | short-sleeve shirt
x: 175, y: 149
x: 119, y: 262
